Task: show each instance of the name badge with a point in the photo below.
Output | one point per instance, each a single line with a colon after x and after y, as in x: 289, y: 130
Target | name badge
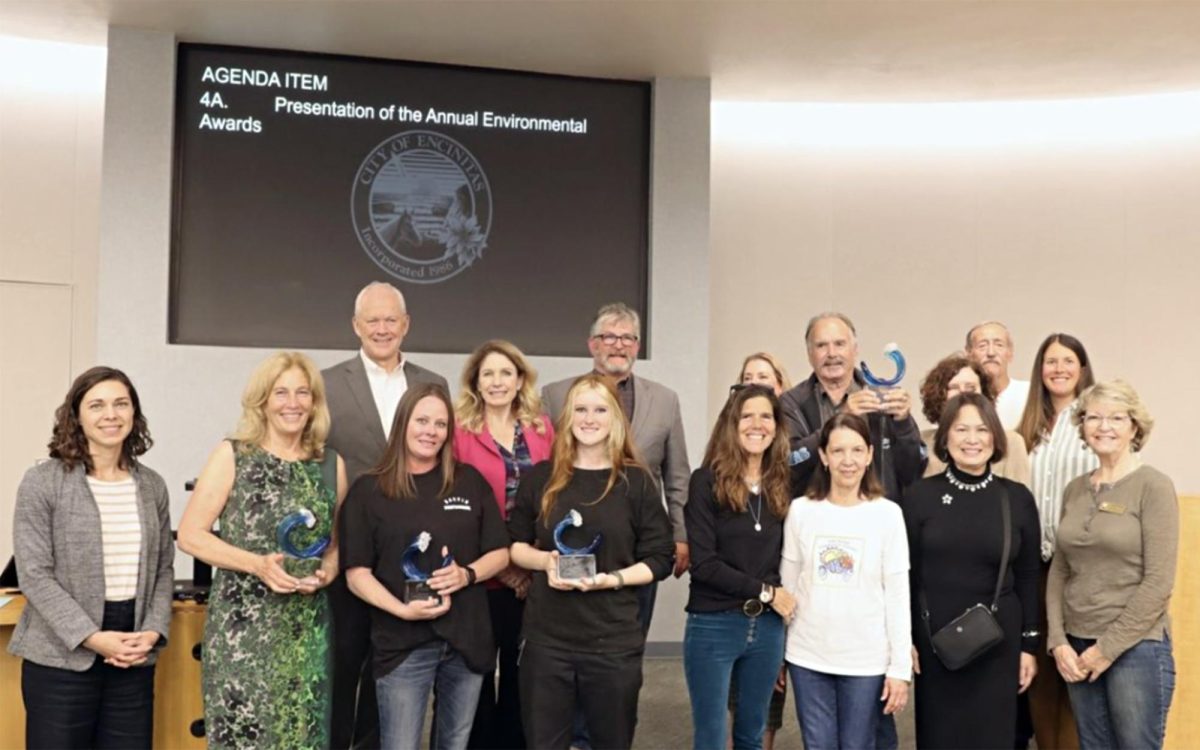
x: 1107, y: 507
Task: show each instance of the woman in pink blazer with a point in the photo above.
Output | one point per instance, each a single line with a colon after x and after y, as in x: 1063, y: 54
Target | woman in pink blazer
x: 502, y: 432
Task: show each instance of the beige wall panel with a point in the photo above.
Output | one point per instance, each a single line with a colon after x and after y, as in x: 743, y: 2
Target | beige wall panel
x: 35, y: 337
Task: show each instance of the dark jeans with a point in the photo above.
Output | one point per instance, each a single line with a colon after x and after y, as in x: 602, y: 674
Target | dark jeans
x: 103, y: 707
x: 355, y: 710
x: 554, y: 682
x: 836, y: 711
x: 498, y: 718
x: 1127, y: 706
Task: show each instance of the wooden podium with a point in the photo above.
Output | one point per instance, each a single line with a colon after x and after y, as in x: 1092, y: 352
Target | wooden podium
x: 177, y: 700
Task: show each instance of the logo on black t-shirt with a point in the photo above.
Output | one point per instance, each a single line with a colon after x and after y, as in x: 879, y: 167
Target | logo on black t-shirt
x: 456, y: 503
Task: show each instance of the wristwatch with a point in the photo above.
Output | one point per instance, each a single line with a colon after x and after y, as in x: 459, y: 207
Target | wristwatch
x: 768, y: 594
x: 471, y: 575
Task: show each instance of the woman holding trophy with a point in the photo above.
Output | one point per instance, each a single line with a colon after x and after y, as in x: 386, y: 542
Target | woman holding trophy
x: 274, y: 487
x: 591, y: 525
x: 418, y: 532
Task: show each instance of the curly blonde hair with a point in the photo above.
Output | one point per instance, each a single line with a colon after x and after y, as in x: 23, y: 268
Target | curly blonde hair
x: 252, y: 427
x: 527, y: 406
x: 1123, y: 395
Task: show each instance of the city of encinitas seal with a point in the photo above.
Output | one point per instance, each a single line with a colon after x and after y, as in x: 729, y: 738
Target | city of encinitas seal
x: 421, y: 206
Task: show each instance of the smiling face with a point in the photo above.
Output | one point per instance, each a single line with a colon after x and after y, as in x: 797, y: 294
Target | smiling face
x: 760, y: 372
x: 1061, y: 371
x: 1108, y: 428
x: 969, y: 441
x: 591, y: 418
x: 756, y: 426
x: 289, y: 404
x: 964, y: 381
x: 991, y: 349
x: 847, y: 457
x: 832, y: 351
x: 380, y: 322
x: 498, y: 382
x: 614, y: 347
x: 426, y: 433
x: 106, y: 416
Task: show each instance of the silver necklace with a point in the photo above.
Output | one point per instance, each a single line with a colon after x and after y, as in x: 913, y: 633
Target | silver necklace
x: 961, y: 485
x: 756, y: 515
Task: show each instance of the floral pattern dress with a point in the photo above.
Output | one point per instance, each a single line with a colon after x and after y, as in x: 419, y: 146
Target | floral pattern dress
x: 267, y: 656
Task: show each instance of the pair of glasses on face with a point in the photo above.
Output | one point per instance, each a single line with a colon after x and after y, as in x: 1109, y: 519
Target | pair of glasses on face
x: 611, y: 339
x: 1116, y: 421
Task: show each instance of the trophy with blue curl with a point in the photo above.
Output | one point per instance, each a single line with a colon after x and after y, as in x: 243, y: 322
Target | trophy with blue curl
x: 892, y: 351
x: 300, y: 559
x: 575, y: 563
x: 416, y: 585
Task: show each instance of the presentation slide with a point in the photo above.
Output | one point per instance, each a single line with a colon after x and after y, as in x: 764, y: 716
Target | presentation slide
x: 503, y: 204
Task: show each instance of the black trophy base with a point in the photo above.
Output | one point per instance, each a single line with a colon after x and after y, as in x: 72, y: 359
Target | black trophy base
x: 575, y: 567
x: 419, y: 591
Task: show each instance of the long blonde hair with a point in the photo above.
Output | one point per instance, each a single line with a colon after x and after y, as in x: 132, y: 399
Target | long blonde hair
x: 252, y: 426
x: 620, y: 446
x: 527, y: 406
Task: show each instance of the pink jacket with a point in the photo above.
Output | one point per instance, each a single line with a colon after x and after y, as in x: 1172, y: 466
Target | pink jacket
x: 479, y: 450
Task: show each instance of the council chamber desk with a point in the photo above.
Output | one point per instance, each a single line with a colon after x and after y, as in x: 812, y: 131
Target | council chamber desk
x: 177, y: 701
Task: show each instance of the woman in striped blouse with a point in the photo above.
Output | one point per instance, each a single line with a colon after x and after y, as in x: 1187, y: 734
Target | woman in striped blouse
x: 1057, y: 454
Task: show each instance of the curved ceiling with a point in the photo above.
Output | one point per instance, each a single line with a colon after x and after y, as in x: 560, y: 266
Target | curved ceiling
x: 900, y: 50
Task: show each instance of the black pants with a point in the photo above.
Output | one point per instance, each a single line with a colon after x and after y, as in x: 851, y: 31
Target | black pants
x: 556, y: 681
x: 103, y: 707
x: 498, y: 717
x: 355, y: 712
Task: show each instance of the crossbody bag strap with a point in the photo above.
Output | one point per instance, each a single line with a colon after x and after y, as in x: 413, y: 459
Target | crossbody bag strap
x: 1006, y: 514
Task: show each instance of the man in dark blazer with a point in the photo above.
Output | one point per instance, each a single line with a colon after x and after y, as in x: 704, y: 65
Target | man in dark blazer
x: 362, y: 394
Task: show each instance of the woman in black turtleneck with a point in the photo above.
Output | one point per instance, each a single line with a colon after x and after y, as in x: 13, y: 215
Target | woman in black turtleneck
x: 955, y: 538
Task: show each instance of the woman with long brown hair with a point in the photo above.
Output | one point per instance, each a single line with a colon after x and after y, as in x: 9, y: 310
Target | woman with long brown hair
x: 583, y: 640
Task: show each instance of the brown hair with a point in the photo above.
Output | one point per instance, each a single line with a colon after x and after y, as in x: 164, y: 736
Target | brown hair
x: 527, y: 406
x: 1039, y: 409
x: 67, y: 441
x: 936, y: 383
x: 726, y: 457
x: 395, y: 480
x: 987, y: 412
x: 822, y: 481
x: 621, y: 449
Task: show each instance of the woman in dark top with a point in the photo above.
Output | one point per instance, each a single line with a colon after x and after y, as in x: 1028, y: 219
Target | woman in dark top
x: 416, y: 489
x: 583, y: 640
x: 955, y: 538
x: 737, y: 612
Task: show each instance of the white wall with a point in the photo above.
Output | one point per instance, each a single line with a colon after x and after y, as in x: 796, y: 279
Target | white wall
x: 191, y: 393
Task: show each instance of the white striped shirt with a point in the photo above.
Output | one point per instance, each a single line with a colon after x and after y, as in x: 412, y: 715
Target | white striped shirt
x: 1058, y: 458
x: 121, y: 532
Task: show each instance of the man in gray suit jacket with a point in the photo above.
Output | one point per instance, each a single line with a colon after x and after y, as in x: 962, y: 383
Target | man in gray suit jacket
x: 362, y: 394
x: 654, y: 418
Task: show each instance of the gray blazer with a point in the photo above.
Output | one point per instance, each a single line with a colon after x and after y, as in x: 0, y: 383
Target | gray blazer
x: 657, y: 426
x: 356, y: 432
x: 60, y: 556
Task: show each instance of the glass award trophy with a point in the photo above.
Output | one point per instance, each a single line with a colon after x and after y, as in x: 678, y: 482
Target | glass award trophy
x: 301, y: 546
x: 892, y: 351
x: 416, y: 585
x: 575, y: 563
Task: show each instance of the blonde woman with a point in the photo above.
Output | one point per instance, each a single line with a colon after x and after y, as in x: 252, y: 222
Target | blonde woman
x: 763, y: 368
x: 266, y: 644
x: 583, y: 640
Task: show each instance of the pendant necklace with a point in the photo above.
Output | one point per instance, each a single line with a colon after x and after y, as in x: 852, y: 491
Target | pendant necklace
x: 756, y: 515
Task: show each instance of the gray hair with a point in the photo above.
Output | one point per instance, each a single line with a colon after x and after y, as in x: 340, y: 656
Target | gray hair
x: 828, y: 315
x: 378, y: 285
x: 977, y: 326
x: 616, y: 311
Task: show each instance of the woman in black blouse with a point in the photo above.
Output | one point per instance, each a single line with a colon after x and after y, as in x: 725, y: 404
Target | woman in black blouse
x: 583, y: 640
x: 955, y: 538
x: 737, y: 611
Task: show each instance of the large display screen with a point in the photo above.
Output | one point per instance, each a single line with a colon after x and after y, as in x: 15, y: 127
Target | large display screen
x: 502, y: 204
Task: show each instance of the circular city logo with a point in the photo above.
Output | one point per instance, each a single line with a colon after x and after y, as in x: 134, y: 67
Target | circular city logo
x: 421, y: 207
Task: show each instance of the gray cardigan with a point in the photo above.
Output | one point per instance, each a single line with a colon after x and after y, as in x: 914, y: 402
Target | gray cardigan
x: 60, y: 556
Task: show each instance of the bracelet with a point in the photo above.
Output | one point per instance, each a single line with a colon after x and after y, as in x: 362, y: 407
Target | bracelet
x: 471, y: 575
x: 1030, y: 633
x: 620, y: 580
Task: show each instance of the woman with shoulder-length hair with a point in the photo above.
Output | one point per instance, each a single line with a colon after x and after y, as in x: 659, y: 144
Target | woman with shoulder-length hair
x: 275, y: 488
x: 422, y: 516
x: 763, y: 368
x: 583, y: 639
x: 737, y: 611
x: 502, y: 431
x: 92, y: 539
x: 957, y: 523
x: 845, y: 555
x: 1111, y: 579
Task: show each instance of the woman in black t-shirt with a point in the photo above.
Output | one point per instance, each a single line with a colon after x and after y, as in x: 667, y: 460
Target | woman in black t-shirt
x: 418, y: 489
x: 583, y: 642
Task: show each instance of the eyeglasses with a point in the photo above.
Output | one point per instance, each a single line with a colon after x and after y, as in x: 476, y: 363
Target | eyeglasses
x: 1116, y: 421
x: 610, y: 339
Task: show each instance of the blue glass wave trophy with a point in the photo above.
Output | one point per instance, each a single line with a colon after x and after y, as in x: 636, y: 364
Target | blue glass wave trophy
x: 575, y: 563
x: 878, y: 384
x: 302, y: 557
x: 416, y: 585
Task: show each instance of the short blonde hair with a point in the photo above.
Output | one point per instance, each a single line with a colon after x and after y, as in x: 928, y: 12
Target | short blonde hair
x: 527, y: 406
x: 1121, y: 393
x: 252, y: 427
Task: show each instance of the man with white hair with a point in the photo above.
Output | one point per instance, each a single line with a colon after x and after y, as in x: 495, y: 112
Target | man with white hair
x: 362, y: 394
x: 989, y: 344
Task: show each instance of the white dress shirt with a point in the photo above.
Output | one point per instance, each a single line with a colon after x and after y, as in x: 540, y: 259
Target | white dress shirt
x: 386, y: 388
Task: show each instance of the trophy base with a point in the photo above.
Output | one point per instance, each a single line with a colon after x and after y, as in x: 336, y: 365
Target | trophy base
x: 575, y: 567
x: 417, y: 591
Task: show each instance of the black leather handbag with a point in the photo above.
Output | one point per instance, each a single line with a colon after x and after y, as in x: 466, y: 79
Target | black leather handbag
x: 976, y: 631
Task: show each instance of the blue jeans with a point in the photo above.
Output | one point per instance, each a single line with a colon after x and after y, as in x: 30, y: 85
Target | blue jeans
x: 836, y: 711
x: 1127, y: 706
x: 717, y: 645
x: 403, y: 695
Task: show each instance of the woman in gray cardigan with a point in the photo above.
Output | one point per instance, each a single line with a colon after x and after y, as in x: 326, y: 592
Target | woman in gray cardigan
x: 92, y: 536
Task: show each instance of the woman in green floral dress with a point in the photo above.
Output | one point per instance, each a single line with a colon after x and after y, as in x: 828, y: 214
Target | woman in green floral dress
x: 267, y: 640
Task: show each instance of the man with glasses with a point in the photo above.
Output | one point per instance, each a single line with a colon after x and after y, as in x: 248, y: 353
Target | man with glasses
x: 990, y: 345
